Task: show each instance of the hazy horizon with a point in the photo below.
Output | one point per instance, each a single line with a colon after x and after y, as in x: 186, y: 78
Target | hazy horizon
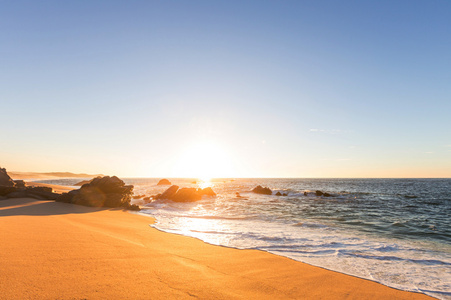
x: 236, y: 89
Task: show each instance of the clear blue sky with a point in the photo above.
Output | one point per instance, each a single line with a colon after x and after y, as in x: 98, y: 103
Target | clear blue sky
x: 272, y: 88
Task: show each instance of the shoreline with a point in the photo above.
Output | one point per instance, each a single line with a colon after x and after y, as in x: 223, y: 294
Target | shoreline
x: 278, y: 255
x: 58, y: 250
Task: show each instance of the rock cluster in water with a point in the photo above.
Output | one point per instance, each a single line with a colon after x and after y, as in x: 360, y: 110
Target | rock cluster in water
x: 164, y: 182
x: 319, y: 193
x: 17, y: 189
x: 262, y: 190
x: 185, y: 194
x: 101, y: 192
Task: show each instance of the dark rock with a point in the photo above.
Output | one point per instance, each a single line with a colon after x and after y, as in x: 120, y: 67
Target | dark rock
x: 89, y: 196
x: 100, y: 192
x: 305, y: 194
x: 327, y: 195
x: 20, y: 184
x: 42, y: 192
x: 5, y: 190
x: 66, y: 197
x: 284, y: 194
x: 114, y: 200
x: 238, y: 195
x: 262, y: 190
x: 109, y: 184
x: 5, y: 180
x: 85, y: 181
x: 278, y: 194
x: 186, y: 194
x: 164, y: 182
x: 169, y: 193
x: 134, y: 207
x: 207, y: 192
x: 319, y: 193
x: 40, y: 189
x: 24, y: 194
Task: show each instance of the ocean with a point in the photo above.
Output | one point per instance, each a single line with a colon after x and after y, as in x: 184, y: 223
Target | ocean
x: 393, y: 231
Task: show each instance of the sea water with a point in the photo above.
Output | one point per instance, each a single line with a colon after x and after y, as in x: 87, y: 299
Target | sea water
x: 393, y: 231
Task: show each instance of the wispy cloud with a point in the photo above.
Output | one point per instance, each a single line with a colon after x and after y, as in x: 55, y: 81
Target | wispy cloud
x: 429, y: 152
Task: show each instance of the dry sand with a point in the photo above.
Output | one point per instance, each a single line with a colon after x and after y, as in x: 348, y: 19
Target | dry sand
x: 51, y: 250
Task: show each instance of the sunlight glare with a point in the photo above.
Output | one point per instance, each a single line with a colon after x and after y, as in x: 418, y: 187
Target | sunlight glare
x: 204, y: 160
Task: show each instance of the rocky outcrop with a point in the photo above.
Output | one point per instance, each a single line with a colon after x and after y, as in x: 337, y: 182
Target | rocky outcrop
x: 169, y: 193
x: 5, y: 190
x: 278, y: 194
x: 5, y: 180
x: 17, y: 189
x: 262, y: 190
x: 83, y: 182
x: 101, y: 192
x: 164, y: 182
x: 19, y: 184
x: 40, y: 193
x: 185, y: 194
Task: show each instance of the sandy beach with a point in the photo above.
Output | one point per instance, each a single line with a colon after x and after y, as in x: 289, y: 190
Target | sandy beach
x: 54, y: 250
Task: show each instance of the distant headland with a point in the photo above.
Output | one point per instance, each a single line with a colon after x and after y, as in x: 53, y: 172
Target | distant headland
x: 50, y: 175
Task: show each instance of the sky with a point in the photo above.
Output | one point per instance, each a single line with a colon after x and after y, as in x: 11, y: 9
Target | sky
x: 226, y: 88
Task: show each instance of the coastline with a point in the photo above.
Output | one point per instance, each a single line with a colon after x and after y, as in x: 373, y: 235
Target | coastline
x: 57, y: 250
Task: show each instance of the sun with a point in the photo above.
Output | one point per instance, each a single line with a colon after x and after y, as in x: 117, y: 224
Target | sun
x: 203, y: 160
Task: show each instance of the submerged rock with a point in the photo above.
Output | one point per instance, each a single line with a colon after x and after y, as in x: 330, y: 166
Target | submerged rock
x: 319, y: 193
x: 164, y: 182
x: 101, y: 192
x: 278, y: 194
x: 186, y: 194
x: 262, y: 190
